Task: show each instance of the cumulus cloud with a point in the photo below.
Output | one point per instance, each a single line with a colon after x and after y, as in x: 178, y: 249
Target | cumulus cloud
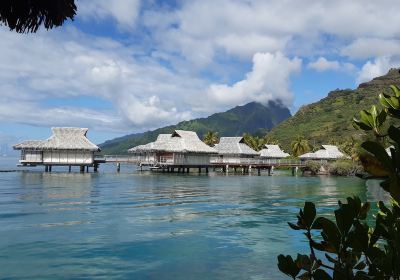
x: 363, y: 48
x: 378, y: 67
x: 200, y: 29
x: 125, y: 12
x: 268, y: 80
x: 322, y: 64
x: 141, y: 94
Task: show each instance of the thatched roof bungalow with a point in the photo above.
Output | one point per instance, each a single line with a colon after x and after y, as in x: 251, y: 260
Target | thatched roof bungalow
x: 328, y: 152
x: 66, y: 146
x: 179, y: 148
x: 234, y: 150
x: 273, y: 152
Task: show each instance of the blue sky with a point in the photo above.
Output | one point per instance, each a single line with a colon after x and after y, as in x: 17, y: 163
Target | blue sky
x: 127, y: 66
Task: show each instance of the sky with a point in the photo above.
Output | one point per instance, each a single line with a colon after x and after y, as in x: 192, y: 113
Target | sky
x: 127, y: 66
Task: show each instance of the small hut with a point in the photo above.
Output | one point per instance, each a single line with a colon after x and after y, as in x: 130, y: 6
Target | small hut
x: 233, y: 150
x: 272, y: 152
x: 181, y: 148
x: 67, y: 146
x: 327, y: 153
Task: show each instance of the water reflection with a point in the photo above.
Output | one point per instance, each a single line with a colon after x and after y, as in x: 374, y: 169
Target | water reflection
x: 151, y: 226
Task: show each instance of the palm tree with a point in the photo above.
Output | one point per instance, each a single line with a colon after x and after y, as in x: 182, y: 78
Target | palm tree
x: 268, y: 140
x: 254, y: 142
x: 211, y: 138
x: 300, y: 146
x: 26, y: 16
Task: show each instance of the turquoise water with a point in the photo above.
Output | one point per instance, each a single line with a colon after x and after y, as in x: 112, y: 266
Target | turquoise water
x: 141, y: 225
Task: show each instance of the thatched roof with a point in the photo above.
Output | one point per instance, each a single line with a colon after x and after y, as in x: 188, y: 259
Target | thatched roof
x: 273, y: 151
x: 179, y: 141
x: 234, y: 146
x: 327, y: 152
x: 63, y: 138
x: 26, y: 16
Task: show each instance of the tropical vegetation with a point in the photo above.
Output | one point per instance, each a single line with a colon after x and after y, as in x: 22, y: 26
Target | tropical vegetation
x: 300, y: 146
x: 347, y: 247
x: 211, y: 138
x: 254, y: 118
x: 331, y: 117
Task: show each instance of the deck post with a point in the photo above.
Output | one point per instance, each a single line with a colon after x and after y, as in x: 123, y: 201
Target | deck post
x: 269, y: 171
x: 49, y: 168
x: 259, y: 171
x: 293, y: 170
x: 227, y: 168
x: 234, y: 169
x: 95, y: 167
x: 82, y: 169
x: 69, y: 169
x: 118, y: 167
x: 199, y: 169
x: 46, y: 168
x: 206, y: 169
x: 87, y: 168
x: 188, y: 170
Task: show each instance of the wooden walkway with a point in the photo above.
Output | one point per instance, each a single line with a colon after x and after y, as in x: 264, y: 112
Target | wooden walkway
x: 241, y: 165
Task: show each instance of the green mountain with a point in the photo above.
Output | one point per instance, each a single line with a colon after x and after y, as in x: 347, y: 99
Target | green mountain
x: 330, y: 119
x: 252, y: 118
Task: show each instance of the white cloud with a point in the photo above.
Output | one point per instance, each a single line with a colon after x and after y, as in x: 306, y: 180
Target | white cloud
x: 363, y: 48
x: 322, y: 64
x: 125, y: 12
x: 38, y: 68
x: 200, y: 29
x: 378, y: 67
x: 268, y: 80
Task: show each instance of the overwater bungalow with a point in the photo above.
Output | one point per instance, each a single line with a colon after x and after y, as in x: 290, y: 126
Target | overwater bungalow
x: 67, y: 146
x: 233, y: 150
x: 327, y: 153
x: 272, y: 152
x: 181, y: 149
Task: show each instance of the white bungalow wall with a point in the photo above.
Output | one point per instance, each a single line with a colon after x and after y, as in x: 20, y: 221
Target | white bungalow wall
x: 68, y: 157
x: 31, y: 156
x: 191, y: 159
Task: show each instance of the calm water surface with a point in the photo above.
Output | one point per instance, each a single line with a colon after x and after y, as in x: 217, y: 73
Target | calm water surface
x: 141, y: 225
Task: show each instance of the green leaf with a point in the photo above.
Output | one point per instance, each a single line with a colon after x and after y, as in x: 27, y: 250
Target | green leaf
x: 361, y: 125
x: 288, y: 266
x: 394, y: 134
x: 320, y: 274
x: 395, y: 90
x: 309, y: 213
x: 379, y: 152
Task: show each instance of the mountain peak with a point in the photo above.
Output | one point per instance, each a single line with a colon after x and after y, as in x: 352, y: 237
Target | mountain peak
x: 390, y: 78
x: 252, y: 117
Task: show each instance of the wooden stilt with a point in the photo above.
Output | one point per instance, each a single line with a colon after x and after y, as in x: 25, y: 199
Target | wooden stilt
x: 69, y: 168
x: 46, y: 168
x: 87, y: 169
x: 49, y: 168
x: 118, y: 167
x: 199, y: 169
x: 269, y: 171
x: 258, y: 171
x: 95, y: 167
x: 82, y: 169
x: 207, y: 170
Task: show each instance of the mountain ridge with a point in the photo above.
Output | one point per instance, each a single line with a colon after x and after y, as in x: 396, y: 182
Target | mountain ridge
x: 330, y: 119
x: 252, y: 117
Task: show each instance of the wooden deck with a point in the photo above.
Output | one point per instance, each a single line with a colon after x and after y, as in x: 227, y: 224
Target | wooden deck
x: 236, y: 165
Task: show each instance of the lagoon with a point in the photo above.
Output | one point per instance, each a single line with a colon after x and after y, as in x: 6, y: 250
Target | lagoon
x: 144, y: 225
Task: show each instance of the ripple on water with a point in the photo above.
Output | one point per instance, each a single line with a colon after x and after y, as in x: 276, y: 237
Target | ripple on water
x: 151, y: 226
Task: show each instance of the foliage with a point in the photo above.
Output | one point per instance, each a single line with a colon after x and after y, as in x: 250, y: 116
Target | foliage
x: 251, y: 118
x: 211, y: 138
x: 344, y: 167
x: 348, y: 247
x: 254, y: 142
x: 331, y: 117
x: 26, y: 16
x: 313, y: 166
x: 300, y: 146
